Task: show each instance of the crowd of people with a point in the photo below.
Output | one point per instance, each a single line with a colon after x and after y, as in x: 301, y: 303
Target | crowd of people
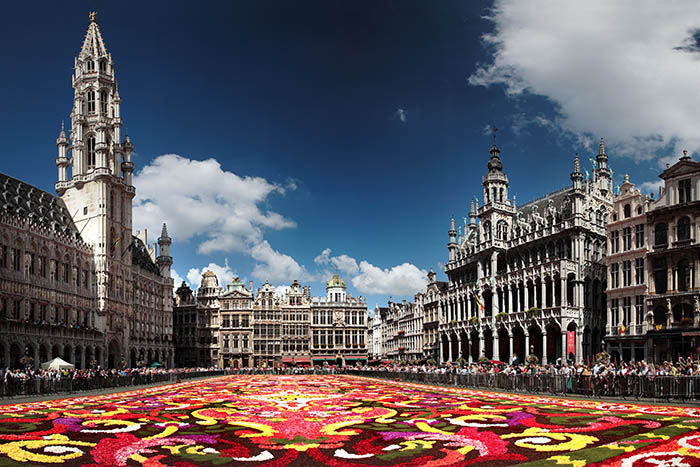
x: 30, y: 381
x: 603, y: 377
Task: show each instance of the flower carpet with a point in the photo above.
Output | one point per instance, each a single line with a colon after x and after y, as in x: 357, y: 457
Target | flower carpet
x: 342, y: 421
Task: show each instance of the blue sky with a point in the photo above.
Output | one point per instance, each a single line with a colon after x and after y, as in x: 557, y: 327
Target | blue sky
x: 281, y: 139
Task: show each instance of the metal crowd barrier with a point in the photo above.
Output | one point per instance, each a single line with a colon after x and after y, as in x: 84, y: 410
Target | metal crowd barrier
x: 626, y: 387
x: 39, y: 386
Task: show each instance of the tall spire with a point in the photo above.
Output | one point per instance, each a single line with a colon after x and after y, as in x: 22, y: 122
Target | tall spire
x: 93, y: 45
x: 577, y: 175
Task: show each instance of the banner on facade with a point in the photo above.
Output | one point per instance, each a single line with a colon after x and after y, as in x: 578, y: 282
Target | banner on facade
x: 570, y: 343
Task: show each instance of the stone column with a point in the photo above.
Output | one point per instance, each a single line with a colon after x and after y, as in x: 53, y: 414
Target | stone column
x: 543, y: 294
x: 563, y: 345
x: 526, y: 298
x: 481, y: 345
x: 441, y: 349
x: 544, y: 346
x: 459, y: 346
x: 579, y: 345
x: 496, y: 345
x: 527, y: 344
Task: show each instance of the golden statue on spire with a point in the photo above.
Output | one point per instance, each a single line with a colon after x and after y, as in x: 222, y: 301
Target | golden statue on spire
x: 93, y: 16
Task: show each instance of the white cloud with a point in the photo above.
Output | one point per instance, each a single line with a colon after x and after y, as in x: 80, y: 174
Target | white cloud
x: 274, y: 266
x: 404, y: 279
x: 625, y: 70
x: 200, y: 198
x: 224, y: 273
x: 177, y: 280
x: 401, y: 115
x: 344, y: 263
x: 651, y: 187
x: 281, y: 290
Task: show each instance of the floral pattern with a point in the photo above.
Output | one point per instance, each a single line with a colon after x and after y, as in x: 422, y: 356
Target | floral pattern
x: 341, y: 421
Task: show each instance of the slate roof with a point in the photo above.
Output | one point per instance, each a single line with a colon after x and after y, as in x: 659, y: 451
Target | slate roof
x: 39, y: 206
x: 141, y: 258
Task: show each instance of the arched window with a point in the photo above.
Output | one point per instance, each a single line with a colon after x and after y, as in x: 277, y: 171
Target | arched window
x: 684, y: 228
x: 103, y: 65
x: 639, y: 209
x: 661, y: 234
x: 487, y: 231
x: 599, y: 217
x: 91, y: 102
x: 627, y: 210
x: 502, y: 230
x: 91, y: 154
x: 90, y: 66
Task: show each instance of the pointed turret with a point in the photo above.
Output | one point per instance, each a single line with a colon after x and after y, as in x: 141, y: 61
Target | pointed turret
x: 62, y: 161
x: 577, y: 175
x: 495, y: 182
x: 452, y: 245
x: 164, y: 260
x: 603, y: 175
x: 472, y: 213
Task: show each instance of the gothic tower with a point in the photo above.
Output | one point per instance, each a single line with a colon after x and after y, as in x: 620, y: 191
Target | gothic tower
x: 98, y: 188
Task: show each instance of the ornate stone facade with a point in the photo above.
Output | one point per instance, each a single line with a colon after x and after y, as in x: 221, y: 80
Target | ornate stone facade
x: 338, y: 326
x: 628, y: 239
x: 528, y: 280
x: 673, y: 316
x: 104, y: 294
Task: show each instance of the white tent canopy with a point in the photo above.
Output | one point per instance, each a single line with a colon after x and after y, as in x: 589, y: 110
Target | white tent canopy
x: 56, y: 364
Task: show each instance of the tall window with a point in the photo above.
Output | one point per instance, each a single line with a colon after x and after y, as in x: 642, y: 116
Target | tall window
x: 91, y: 102
x: 683, y: 275
x: 639, y: 235
x: 684, y: 228
x: 684, y: 191
x: 626, y: 273
x: 627, y: 238
x: 639, y: 270
x: 615, y: 241
x: 614, y: 312
x: 661, y: 234
x: 627, y: 210
x: 627, y: 310
x: 615, y: 275
x: 103, y: 102
x: 660, y: 276
x: 639, y: 308
x: 91, y: 153
x: 90, y: 65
